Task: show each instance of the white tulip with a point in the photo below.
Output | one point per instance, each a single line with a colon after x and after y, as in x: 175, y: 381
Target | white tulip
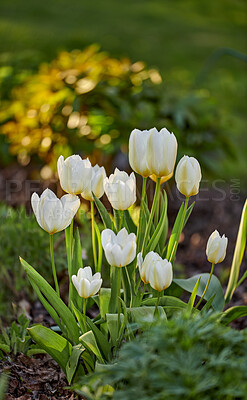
x: 53, y: 214
x: 161, y: 153
x: 96, y: 184
x: 120, y: 189
x: 138, y: 148
x: 86, y: 283
x: 120, y: 249
x: 74, y: 173
x: 155, y: 270
x: 145, y: 266
x: 188, y: 176
x: 216, y: 248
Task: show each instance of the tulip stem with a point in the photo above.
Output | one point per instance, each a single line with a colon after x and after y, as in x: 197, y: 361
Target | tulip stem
x: 156, y: 197
x: 143, y: 291
x: 119, y: 296
x: 84, y: 313
x: 140, y: 223
x: 206, y: 288
x: 173, y: 253
x: 53, y: 265
x: 157, y: 304
x: 93, y: 238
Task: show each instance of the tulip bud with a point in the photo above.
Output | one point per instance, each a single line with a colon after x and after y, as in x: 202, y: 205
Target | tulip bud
x: 120, y: 189
x: 138, y: 147
x: 155, y: 270
x: 120, y: 249
x: 87, y: 284
x: 161, y: 153
x: 216, y: 248
x: 188, y: 176
x: 53, y: 214
x: 74, y: 173
x: 96, y: 184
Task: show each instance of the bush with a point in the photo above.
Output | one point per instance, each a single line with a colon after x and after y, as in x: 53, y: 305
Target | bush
x: 88, y: 102
x: 183, y: 358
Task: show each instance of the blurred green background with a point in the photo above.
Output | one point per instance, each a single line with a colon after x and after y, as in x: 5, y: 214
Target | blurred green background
x: 176, y: 37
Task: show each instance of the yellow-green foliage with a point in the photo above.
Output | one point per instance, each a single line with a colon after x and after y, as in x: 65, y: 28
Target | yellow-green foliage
x: 81, y: 101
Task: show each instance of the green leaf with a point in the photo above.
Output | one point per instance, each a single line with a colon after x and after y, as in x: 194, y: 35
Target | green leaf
x: 5, y: 347
x: 171, y: 304
x: 238, y: 255
x: 173, y: 241
x: 69, y: 327
x: 129, y: 222
x: 114, y: 290
x: 192, y: 299
x: 88, y: 340
x: 104, y: 300
x: 213, y: 288
x: 145, y: 313
x: 76, y: 264
x: 187, y: 214
x: 103, y: 213
x: 208, y: 304
x: 159, y: 229
x: 56, y: 345
x: 73, y: 360
x: 112, y: 323
x: 102, y: 341
x: 233, y: 313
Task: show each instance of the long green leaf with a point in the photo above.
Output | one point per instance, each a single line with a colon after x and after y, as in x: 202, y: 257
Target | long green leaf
x: 233, y: 313
x: 192, y: 299
x: 129, y: 222
x: 238, y: 255
x: 66, y: 316
x: 56, y: 345
x: 213, y: 288
x: 112, y: 323
x: 88, y: 340
x: 103, y: 213
x: 73, y: 361
x: 76, y: 264
x: 158, y: 230
x: 172, y: 243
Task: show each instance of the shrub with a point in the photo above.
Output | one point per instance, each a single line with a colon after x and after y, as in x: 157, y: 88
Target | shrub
x: 88, y: 102
x: 183, y: 358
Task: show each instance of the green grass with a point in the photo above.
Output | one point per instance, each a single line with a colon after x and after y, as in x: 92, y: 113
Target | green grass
x: 177, y: 36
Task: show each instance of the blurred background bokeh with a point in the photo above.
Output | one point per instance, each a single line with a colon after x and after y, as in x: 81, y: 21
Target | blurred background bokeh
x: 77, y: 76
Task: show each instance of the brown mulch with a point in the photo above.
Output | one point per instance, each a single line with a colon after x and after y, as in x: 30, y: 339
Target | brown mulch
x: 38, y: 378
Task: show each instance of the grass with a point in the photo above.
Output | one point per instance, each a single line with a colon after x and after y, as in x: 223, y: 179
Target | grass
x: 177, y: 36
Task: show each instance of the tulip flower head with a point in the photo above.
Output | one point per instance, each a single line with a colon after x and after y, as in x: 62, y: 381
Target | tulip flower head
x: 95, y: 185
x: 155, y: 270
x: 188, y: 176
x: 138, y: 150
x: 120, y: 249
x: 162, y: 153
x: 74, y: 173
x: 216, y: 248
x: 120, y: 189
x: 53, y: 214
x: 87, y: 284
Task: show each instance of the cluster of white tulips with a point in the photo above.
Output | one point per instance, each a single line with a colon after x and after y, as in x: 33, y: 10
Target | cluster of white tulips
x: 152, y: 153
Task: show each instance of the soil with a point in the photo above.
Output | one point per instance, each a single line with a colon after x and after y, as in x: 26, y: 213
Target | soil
x: 219, y: 208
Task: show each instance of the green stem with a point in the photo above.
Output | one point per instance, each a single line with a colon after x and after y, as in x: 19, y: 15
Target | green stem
x: 154, y: 205
x: 70, y: 255
x: 93, y: 237
x: 206, y: 288
x: 140, y: 223
x: 121, y: 220
x: 173, y: 253
x: 119, y: 294
x: 156, y: 214
x: 143, y: 291
x: 130, y: 286
x: 100, y: 250
x: 53, y: 265
x: 84, y: 313
x: 157, y: 304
